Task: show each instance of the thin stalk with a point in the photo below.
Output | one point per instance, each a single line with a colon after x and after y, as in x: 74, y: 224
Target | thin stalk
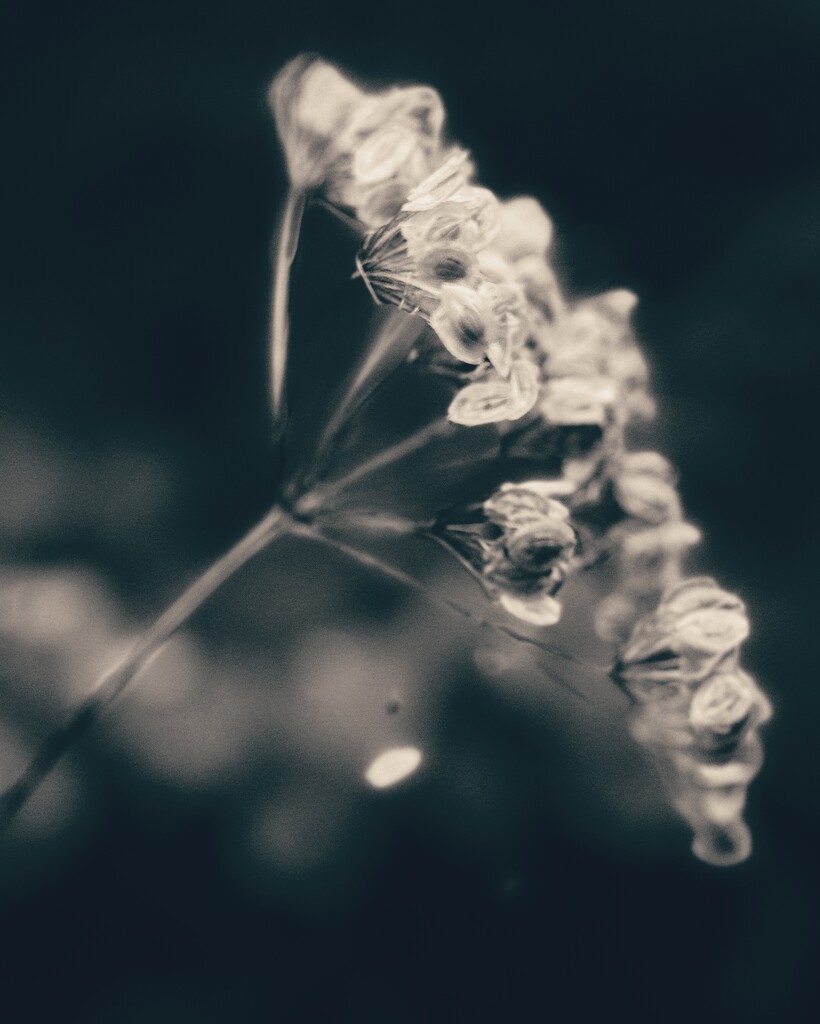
x: 390, y: 347
x: 373, y: 522
x: 371, y: 561
x: 287, y: 243
x: 319, y: 498
x: 114, y: 682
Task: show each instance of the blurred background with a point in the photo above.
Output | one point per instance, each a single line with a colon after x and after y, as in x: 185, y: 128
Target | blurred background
x: 209, y: 852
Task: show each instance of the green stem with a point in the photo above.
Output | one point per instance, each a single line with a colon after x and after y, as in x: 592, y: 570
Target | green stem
x: 288, y: 241
x: 114, y: 682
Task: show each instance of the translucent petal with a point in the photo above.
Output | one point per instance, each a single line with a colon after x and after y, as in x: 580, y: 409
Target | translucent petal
x: 452, y: 175
x: 463, y: 323
x: 496, y: 399
x: 384, y: 153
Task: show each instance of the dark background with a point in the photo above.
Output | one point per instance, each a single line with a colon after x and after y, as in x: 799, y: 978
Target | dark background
x: 677, y: 147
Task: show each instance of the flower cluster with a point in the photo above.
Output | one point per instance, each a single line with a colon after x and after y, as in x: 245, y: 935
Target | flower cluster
x: 564, y: 383
x: 430, y: 260
x: 647, y: 545
x: 698, y: 711
x: 520, y: 544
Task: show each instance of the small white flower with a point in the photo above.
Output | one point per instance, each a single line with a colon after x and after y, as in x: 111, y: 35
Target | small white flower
x: 495, y: 399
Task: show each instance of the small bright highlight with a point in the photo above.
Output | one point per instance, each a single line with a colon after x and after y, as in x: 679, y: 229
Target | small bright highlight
x: 392, y: 766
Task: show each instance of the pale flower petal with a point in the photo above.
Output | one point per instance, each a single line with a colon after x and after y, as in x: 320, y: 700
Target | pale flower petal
x: 384, y: 153
x: 463, y: 323
x: 444, y: 182
x: 496, y: 399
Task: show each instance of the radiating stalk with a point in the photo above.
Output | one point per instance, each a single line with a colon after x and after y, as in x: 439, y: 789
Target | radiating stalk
x: 322, y: 497
x: 390, y: 347
x: 287, y: 243
x: 312, y: 532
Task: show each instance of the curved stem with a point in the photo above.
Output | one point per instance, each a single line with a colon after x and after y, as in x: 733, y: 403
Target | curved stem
x: 276, y: 523
x: 288, y: 241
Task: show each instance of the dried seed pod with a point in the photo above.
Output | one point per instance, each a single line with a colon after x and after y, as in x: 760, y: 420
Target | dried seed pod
x: 494, y: 399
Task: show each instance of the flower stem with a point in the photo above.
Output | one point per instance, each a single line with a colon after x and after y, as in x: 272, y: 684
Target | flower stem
x: 276, y: 523
x: 319, y: 498
x: 390, y: 347
x: 312, y: 532
x: 287, y: 243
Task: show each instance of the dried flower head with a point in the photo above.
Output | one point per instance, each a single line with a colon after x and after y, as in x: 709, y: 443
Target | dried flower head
x: 520, y: 544
x: 365, y: 151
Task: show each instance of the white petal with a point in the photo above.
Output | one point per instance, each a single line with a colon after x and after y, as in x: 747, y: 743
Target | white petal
x: 496, y: 399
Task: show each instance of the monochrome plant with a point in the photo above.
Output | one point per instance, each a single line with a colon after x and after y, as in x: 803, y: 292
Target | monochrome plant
x: 554, y: 385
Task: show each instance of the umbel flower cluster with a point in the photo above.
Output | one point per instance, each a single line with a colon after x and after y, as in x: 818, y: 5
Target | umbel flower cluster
x: 562, y: 381
x: 558, y: 386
